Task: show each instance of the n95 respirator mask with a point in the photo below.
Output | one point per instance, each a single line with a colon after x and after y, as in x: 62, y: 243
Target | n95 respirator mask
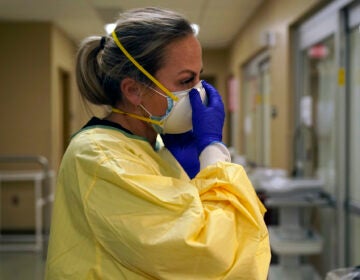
x: 178, y: 116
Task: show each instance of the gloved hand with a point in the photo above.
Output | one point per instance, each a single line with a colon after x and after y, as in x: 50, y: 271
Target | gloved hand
x: 208, y: 120
x: 183, y: 148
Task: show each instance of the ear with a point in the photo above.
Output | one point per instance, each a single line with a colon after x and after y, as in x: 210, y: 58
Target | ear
x: 131, y: 90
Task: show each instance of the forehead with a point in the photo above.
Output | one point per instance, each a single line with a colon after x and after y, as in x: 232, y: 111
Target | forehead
x: 183, y: 53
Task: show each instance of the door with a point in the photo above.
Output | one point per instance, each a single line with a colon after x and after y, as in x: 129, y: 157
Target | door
x: 318, y: 113
x: 256, y: 110
x: 319, y: 126
x: 316, y: 135
x: 353, y: 196
x: 327, y: 108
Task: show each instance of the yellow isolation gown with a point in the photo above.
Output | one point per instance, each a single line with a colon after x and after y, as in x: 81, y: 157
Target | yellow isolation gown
x: 124, y: 210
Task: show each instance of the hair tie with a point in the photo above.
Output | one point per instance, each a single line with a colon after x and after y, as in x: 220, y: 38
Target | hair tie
x: 102, y: 42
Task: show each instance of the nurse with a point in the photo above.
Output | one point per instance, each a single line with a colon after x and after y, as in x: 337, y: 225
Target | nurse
x: 130, y: 206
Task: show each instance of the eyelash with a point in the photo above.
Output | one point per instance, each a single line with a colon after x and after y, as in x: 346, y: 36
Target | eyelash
x: 188, y: 81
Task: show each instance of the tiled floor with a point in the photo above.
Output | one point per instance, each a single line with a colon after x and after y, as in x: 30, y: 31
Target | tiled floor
x: 21, y: 266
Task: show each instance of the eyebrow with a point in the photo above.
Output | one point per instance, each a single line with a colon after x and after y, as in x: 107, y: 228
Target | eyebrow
x: 190, y: 71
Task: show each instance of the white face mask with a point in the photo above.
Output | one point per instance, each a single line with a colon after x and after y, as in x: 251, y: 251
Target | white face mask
x: 178, y: 116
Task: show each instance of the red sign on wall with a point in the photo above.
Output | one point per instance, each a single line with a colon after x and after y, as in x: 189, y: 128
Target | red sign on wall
x: 318, y: 51
x: 233, y: 91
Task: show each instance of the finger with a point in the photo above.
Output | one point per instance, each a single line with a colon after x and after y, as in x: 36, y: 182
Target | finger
x: 195, y: 99
x: 214, y: 97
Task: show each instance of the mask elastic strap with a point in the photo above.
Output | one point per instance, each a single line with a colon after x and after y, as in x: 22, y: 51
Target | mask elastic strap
x: 158, y: 92
x: 146, y: 73
x: 115, y: 110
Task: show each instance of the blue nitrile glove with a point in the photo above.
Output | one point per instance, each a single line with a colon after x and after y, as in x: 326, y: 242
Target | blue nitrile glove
x: 183, y: 148
x: 207, y: 119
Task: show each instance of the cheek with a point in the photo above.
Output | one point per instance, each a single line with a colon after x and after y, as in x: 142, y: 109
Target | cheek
x: 159, y: 106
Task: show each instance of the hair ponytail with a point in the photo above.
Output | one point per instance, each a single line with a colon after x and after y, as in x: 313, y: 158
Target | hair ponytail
x: 89, y: 75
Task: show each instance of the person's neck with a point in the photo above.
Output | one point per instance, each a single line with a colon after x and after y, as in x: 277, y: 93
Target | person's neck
x: 137, y: 127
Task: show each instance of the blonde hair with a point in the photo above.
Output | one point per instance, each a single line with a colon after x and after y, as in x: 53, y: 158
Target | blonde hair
x: 145, y: 33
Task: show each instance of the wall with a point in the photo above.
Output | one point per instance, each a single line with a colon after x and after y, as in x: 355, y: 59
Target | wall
x: 215, y: 66
x: 31, y: 56
x: 25, y: 88
x: 24, y: 110
x: 273, y: 16
x: 63, y: 53
x: 31, y: 53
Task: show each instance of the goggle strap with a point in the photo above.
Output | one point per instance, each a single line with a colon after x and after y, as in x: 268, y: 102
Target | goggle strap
x: 146, y: 73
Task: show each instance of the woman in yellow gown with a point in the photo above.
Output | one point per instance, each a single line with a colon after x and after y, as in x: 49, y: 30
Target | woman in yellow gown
x: 149, y: 191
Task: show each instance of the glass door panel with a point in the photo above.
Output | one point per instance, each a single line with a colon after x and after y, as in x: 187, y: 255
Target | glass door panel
x: 265, y: 120
x: 355, y: 115
x: 354, y: 145
x: 316, y: 137
x: 250, y: 89
x: 257, y: 112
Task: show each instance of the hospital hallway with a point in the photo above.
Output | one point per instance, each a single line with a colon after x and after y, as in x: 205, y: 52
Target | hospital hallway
x: 288, y: 73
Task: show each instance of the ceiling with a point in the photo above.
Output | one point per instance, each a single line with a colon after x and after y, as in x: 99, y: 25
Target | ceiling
x: 219, y: 20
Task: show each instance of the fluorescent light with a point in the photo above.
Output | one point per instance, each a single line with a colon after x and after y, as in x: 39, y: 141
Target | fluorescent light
x: 109, y: 27
x: 196, y: 28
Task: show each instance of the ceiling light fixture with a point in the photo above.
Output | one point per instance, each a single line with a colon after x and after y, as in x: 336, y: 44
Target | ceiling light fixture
x: 196, y: 28
x: 109, y: 27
